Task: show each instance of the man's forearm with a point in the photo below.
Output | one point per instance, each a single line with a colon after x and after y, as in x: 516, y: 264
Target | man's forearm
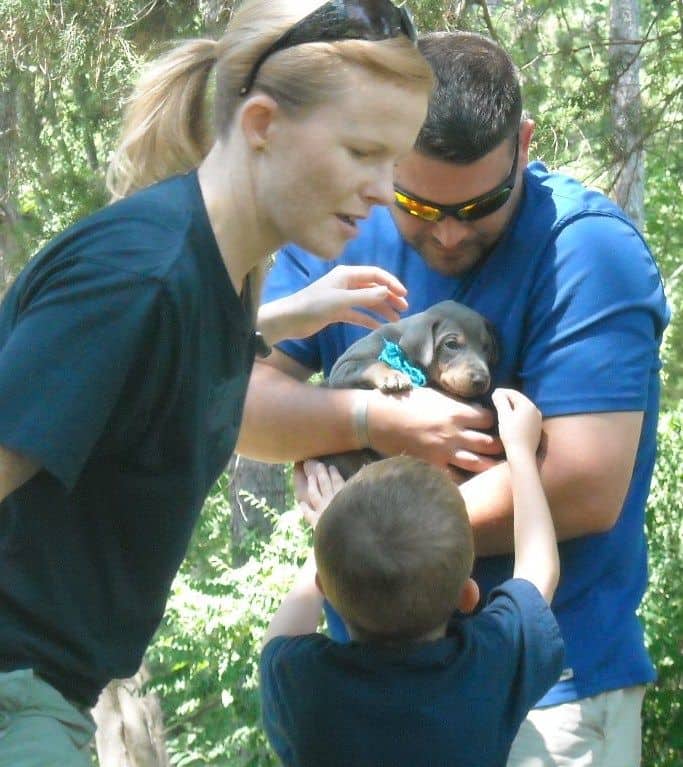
x: 288, y: 420
x: 488, y: 497
x: 585, y: 474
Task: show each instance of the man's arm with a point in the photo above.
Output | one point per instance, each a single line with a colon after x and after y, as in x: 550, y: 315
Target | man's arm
x: 287, y: 419
x: 15, y: 470
x: 586, y: 470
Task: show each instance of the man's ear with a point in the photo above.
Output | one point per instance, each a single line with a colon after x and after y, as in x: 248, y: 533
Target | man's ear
x: 257, y: 119
x: 469, y: 596
x: 526, y: 133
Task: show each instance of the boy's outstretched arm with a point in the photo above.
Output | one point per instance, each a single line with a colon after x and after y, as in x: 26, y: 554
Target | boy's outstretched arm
x: 300, y: 610
x: 536, y: 556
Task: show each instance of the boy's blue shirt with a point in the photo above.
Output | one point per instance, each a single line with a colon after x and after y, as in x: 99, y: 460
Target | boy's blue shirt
x: 578, y: 305
x: 454, y: 702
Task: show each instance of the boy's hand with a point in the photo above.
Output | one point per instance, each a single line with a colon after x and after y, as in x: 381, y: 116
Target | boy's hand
x: 315, y: 486
x: 519, y: 421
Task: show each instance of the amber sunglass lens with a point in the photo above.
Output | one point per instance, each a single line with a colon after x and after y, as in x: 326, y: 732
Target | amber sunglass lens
x: 417, y: 209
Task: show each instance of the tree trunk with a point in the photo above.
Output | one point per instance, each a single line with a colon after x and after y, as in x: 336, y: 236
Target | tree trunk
x: 624, y: 58
x: 130, y: 729
x: 253, y: 485
x: 8, y: 213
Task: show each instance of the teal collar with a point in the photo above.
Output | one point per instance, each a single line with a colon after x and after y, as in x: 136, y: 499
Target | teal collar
x: 395, y: 357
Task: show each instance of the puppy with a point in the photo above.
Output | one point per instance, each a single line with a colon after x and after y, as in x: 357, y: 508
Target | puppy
x: 453, y: 347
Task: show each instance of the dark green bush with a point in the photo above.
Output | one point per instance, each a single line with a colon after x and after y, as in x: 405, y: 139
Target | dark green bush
x: 662, y: 609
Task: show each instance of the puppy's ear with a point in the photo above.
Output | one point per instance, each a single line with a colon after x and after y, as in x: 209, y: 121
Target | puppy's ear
x: 495, y: 348
x: 417, y: 340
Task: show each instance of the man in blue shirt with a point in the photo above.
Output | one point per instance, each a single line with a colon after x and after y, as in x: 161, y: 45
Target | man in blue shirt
x: 577, y: 301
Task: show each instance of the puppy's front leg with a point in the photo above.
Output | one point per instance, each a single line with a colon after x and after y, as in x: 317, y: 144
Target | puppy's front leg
x: 385, y: 378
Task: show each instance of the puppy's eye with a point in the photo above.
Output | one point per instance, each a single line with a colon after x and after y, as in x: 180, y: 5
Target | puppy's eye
x: 451, y: 344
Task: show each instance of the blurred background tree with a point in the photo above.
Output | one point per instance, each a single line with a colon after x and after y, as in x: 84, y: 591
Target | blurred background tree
x: 603, y: 79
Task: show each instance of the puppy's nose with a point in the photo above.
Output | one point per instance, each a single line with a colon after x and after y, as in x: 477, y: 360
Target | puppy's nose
x: 479, y: 381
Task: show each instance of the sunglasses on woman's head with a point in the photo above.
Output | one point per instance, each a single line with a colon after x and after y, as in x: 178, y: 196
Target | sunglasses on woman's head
x: 470, y: 210
x: 341, y: 20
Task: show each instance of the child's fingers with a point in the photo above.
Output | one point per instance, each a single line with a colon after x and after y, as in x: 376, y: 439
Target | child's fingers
x: 314, y: 494
x: 510, y: 400
x: 501, y: 400
x: 337, y: 480
x: 324, y: 480
x: 300, y: 482
x: 307, y: 513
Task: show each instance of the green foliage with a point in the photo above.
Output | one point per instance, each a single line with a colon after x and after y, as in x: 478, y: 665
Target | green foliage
x: 205, y: 657
x: 662, y: 609
x: 65, y: 71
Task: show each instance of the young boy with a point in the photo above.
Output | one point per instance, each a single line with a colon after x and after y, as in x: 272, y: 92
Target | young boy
x: 420, y: 684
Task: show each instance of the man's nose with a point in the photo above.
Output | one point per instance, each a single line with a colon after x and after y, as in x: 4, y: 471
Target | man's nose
x: 449, y: 232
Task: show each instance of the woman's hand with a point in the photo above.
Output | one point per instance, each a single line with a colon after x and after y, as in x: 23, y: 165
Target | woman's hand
x: 339, y: 296
x: 315, y: 486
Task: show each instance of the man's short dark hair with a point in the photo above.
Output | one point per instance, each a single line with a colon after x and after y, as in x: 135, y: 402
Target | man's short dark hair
x: 477, y: 100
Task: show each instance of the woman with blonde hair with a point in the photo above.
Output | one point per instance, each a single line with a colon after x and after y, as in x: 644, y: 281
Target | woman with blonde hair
x: 127, y: 343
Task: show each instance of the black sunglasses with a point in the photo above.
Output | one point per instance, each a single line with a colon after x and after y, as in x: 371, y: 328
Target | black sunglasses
x: 470, y: 210
x: 341, y: 20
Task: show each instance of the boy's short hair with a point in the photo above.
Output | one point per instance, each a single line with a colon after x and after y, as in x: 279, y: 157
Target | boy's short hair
x: 394, y: 549
x: 477, y: 100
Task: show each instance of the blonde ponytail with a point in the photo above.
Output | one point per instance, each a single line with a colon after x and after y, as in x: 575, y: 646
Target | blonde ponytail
x: 165, y: 127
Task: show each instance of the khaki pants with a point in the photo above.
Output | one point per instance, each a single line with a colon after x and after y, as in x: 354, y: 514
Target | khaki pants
x: 602, y: 731
x: 39, y: 727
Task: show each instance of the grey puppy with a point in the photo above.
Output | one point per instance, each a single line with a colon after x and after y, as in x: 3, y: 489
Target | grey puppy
x: 452, y: 345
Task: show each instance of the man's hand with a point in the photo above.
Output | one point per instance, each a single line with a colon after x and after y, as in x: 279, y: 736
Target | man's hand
x: 433, y: 426
x: 306, y: 420
x: 315, y: 485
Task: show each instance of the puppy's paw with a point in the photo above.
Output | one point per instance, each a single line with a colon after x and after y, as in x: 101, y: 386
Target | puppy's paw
x: 395, y: 382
